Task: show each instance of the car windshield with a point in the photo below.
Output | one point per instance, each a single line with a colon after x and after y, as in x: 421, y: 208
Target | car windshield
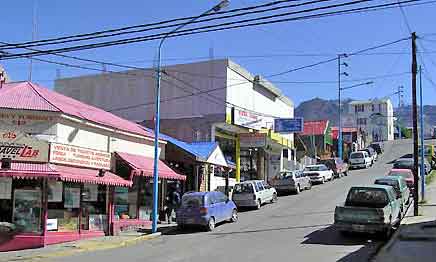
x: 192, y: 201
x: 403, y: 164
x: 313, y: 168
x: 356, y: 155
x: 401, y: 174
x: 367, y: 197
x: 243, y: 188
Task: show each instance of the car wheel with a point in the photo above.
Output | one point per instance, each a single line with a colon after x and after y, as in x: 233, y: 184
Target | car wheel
x: 234, y: 217
x: 309, y: 187
x: 259, y: 204
x: 297, y: 190
x: 345, y: 173
x: 274, y: 198
x: 210, y: 224
x: 323, y: 180
x: 387, y: 233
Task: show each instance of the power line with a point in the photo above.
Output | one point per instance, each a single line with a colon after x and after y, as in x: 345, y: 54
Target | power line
x: 197, y: 30
x: 405, y: 17
x: 182, y: 19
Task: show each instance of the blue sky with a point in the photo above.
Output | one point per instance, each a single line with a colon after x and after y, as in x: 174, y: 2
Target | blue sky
x: 281, y: 45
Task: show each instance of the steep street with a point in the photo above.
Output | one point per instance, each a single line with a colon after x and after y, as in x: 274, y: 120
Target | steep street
x: 297, y: 228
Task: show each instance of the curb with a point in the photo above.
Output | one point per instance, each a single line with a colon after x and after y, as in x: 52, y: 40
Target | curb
x: 89, y: 248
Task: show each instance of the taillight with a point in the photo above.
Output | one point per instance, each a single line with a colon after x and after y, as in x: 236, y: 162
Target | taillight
x: 203, y: 210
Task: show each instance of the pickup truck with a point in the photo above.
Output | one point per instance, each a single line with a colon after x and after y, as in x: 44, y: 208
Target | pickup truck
x: 369, y: 209
x: 337, y: 165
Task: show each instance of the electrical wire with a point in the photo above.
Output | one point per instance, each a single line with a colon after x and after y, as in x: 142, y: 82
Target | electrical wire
x: 149, y: 24
x: 173, y: 25
x: 406, y: 21
x: 197, y: 31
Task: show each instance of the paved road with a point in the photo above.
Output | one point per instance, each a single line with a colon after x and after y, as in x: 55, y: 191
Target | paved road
x: 297, y: 228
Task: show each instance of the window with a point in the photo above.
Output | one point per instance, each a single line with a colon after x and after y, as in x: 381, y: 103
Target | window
x: 256, y: 186
x: 373, y: 108
x: 192, y: 201
x: 361, y: 121
x: 243, y: 188
x: 260, y: 185
x: 220, y: 197
x: 211, y: 199
x: 367, y: 197
x: 359, y: 108
x: 285, y: 153
x: 379, y: 107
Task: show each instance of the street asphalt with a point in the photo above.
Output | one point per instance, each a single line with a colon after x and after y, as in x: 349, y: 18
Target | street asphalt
x: 296, y: 228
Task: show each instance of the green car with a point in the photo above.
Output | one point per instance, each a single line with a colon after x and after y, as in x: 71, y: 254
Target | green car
x: 400, y: 186
x: 369, y: 209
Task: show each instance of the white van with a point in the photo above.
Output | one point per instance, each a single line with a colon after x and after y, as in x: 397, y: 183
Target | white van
x: 360, y: 159
x: 253, y: 193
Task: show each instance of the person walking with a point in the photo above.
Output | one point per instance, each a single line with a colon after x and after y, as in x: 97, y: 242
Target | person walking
x: 174, y: 200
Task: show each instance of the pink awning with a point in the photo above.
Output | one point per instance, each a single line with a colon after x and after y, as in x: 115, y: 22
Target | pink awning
x: 143, y: 166
x: 64, y: 173
x: 90, y: 176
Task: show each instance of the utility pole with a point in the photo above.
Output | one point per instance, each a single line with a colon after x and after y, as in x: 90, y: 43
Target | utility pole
x: 421, y: 121
x: 415, y: 126
x: 339, y: 102
x: 400, y: 103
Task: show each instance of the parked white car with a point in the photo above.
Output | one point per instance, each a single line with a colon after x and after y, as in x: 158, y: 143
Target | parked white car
x: 318, y: 173
x: 253, y: 193
x: 360, y: 159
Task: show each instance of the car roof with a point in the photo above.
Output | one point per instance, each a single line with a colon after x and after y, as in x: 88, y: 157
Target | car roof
x: 400, y: 170
x: 315, y: 165
x: 404, y: 160
x: 250, y: 181
x: 195, y: 193
x: 373, y: 187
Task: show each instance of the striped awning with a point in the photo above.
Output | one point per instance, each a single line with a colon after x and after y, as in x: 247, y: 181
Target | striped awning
x: 63, y: 173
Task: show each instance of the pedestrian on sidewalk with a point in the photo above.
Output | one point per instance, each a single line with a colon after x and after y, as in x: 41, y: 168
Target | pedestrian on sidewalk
x: 173, y: 203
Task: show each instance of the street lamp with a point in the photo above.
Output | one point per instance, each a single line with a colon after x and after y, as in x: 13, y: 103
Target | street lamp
x: 216, y: 8
x: 339, y: 92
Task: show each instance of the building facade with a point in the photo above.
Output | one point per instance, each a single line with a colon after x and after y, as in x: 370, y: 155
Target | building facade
x: 71, y: 171
x: 215, y: 100
x: 374, y: 119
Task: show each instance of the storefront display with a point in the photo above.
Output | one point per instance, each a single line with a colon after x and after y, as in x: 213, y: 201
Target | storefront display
x: 90, y: 193
x: 5, y: 187
x: 27, y: 209
x: 54, y: 189
x: 72, y: 197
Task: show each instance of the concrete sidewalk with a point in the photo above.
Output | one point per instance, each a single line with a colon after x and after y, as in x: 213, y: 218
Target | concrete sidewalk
x: 415, y: 240
x: 87, y: 245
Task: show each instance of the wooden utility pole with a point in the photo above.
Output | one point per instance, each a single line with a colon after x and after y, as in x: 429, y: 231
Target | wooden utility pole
x: 415, y: 127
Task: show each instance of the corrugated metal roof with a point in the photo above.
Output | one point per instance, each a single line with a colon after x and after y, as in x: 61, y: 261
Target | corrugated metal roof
x: 29, y: 96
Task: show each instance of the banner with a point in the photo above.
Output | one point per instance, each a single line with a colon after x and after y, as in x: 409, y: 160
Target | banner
x: 250, y: 119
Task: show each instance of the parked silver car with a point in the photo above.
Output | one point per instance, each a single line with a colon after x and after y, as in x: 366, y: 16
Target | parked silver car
x: 291, y: 181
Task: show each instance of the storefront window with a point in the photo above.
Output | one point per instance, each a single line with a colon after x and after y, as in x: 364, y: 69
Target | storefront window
x: 94, y: 215
x: 27, y: 205
x: 146, y: 199
x: 6, y: 199
x: 63, y: 206
x: 126, y: 201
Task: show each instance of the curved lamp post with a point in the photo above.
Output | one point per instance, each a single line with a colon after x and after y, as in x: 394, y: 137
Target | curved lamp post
x: 216, y: 8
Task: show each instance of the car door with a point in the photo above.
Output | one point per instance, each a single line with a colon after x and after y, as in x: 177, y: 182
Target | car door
x: 258, y: 191
x: 268, y: 191
x: 262, y: 191
x: 220, y: 206
x: 212, y: 206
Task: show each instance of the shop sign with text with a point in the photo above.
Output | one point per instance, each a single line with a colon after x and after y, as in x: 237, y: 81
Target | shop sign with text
x: 252, y: 140
x: 21, y: 147
x: 79, y: 156
x: 251, y: 120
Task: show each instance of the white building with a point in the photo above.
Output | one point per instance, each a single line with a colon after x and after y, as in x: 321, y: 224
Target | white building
x: 214, y: 100
x: 374, y: 117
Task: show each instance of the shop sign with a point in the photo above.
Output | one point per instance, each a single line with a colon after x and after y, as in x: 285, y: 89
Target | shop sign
x: 288, y: 125
x: 5, y: 187
x: 217, y: 158
x: 23, y: 119
x: 252, y: 140
x: 251, y: 120
x: 78, y: 156
x: 21, y: 147
x: 52, y: 224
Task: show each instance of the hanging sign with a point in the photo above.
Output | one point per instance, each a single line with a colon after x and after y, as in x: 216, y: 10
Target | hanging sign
x: 288, y: 125
x: 21, y: 147
x: 79, y: 156
x: 252, y: 140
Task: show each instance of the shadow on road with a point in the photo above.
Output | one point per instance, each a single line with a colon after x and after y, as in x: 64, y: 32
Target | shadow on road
x: 304, y: 214
x: 331, y: 236
x: 267, y: 230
